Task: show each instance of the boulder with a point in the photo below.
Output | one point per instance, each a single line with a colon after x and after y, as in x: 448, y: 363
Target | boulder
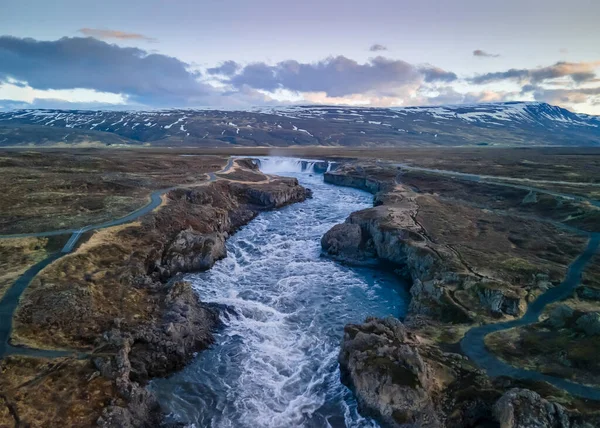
x: 501, y: 301
x: 559, y: 316
x: 391, y: 380
x: 192, y: 251
x: 588, y: 293
x: 166, y: 347
x: 522, y: 408
x: 589, y: 323
x: 345, y: 242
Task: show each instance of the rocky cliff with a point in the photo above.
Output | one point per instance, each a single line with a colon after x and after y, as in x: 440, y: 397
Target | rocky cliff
x: 116, y: 300
x: 411, y: 373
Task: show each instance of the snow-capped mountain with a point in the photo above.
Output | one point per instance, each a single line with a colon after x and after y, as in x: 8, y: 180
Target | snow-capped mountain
x: 513, y: 123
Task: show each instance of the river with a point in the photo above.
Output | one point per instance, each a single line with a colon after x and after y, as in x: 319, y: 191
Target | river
x: 274, y: 363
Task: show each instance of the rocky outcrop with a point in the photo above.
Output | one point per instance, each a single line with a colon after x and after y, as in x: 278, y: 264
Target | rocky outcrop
x: 399, y: 372
x: 402, y: 380
x: 350, y: 175
x: 346, y: 242
x: 390, y: 234
x: 248, y: 163
x: 589, y: 324
x: 391, y: 380
x: 501, y: 300
x: 269, y: 196
x: 521, y: 408
x: 560, y: 316
x: 588, y: 293
x: 116, y: 297
x: 192, y: 251
x: 154, y: 350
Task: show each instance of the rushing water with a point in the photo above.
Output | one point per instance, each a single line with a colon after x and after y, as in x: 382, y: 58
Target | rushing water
x: 274, y: 363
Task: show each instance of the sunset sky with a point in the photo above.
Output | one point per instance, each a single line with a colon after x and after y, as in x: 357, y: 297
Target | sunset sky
x: 236, y: 54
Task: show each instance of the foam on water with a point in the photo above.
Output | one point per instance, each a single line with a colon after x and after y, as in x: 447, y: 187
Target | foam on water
x: 274, y: 363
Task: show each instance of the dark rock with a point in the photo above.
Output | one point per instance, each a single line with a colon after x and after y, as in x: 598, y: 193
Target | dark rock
x: 522, y: 408
x: 588, y: 293
x: 279, y: 193
x: 192, y: 251
x: 501, y: 301
x: 387, y: 373
x: 559, y: 316
x: 185, y: 329
x: 589, y: 323
x: 345, y: 242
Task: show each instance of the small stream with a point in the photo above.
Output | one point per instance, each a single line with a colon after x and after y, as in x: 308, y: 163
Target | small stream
x: 274, y: 363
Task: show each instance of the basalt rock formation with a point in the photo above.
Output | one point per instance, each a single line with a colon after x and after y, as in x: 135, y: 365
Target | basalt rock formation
x: 116, y: 300
x: 467, y: 264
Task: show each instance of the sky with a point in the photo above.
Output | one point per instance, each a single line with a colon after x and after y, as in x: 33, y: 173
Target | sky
x: 150, y: 54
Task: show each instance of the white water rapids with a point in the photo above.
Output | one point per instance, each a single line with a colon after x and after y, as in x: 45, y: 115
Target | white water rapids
x: 274, y: 362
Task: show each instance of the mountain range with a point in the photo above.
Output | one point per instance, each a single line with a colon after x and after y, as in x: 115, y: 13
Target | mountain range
x: 493, y: 124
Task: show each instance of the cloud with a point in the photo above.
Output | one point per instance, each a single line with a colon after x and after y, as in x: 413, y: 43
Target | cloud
x: 484, y: 54
x: 436, y: 74
x: 579, y: 72
x: 378, y: 48
x: 88, y: 63
x: 88, y: 71
x: 57, y: 103
x: 114, y: 34
x: 340, y: 76
x: 447, y: 95
x: 227, y: 68
x: 563, y: 96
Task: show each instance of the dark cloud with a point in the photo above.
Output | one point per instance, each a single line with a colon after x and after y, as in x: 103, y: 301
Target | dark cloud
x: 513, y: 73
x: 227, y: 68
x: 377, y: 48
x: 88, y: 63
x: 579, y: 72
x: 436, y: 74
x: 583, y: 77
x: 484, y: 54
x: 114, y: 34
x: 340, y: 76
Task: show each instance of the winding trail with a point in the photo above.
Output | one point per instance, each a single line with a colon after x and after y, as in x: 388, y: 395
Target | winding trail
x: 473, y: 344
x: 10, y: 300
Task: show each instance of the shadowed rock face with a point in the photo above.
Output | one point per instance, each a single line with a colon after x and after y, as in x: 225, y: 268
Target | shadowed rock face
x: 345, y: 242
x: 192, y: 251
x: 390, y: 233
x: 391, y: 378
x: 521, y: 408
x: 402, y: 380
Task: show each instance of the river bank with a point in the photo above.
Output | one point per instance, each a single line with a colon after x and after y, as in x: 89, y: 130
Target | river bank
x: 114, y: 302
x: 447, y: 237
x: 274, y: 362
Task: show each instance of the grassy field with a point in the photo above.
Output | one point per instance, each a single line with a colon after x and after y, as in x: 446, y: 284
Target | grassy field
x: 51, y: 190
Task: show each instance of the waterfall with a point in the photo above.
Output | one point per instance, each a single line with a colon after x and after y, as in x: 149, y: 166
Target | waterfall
x: 280, y: 165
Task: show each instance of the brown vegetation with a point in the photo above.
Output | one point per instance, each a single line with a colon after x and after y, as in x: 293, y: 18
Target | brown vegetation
x: 52, y: 190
